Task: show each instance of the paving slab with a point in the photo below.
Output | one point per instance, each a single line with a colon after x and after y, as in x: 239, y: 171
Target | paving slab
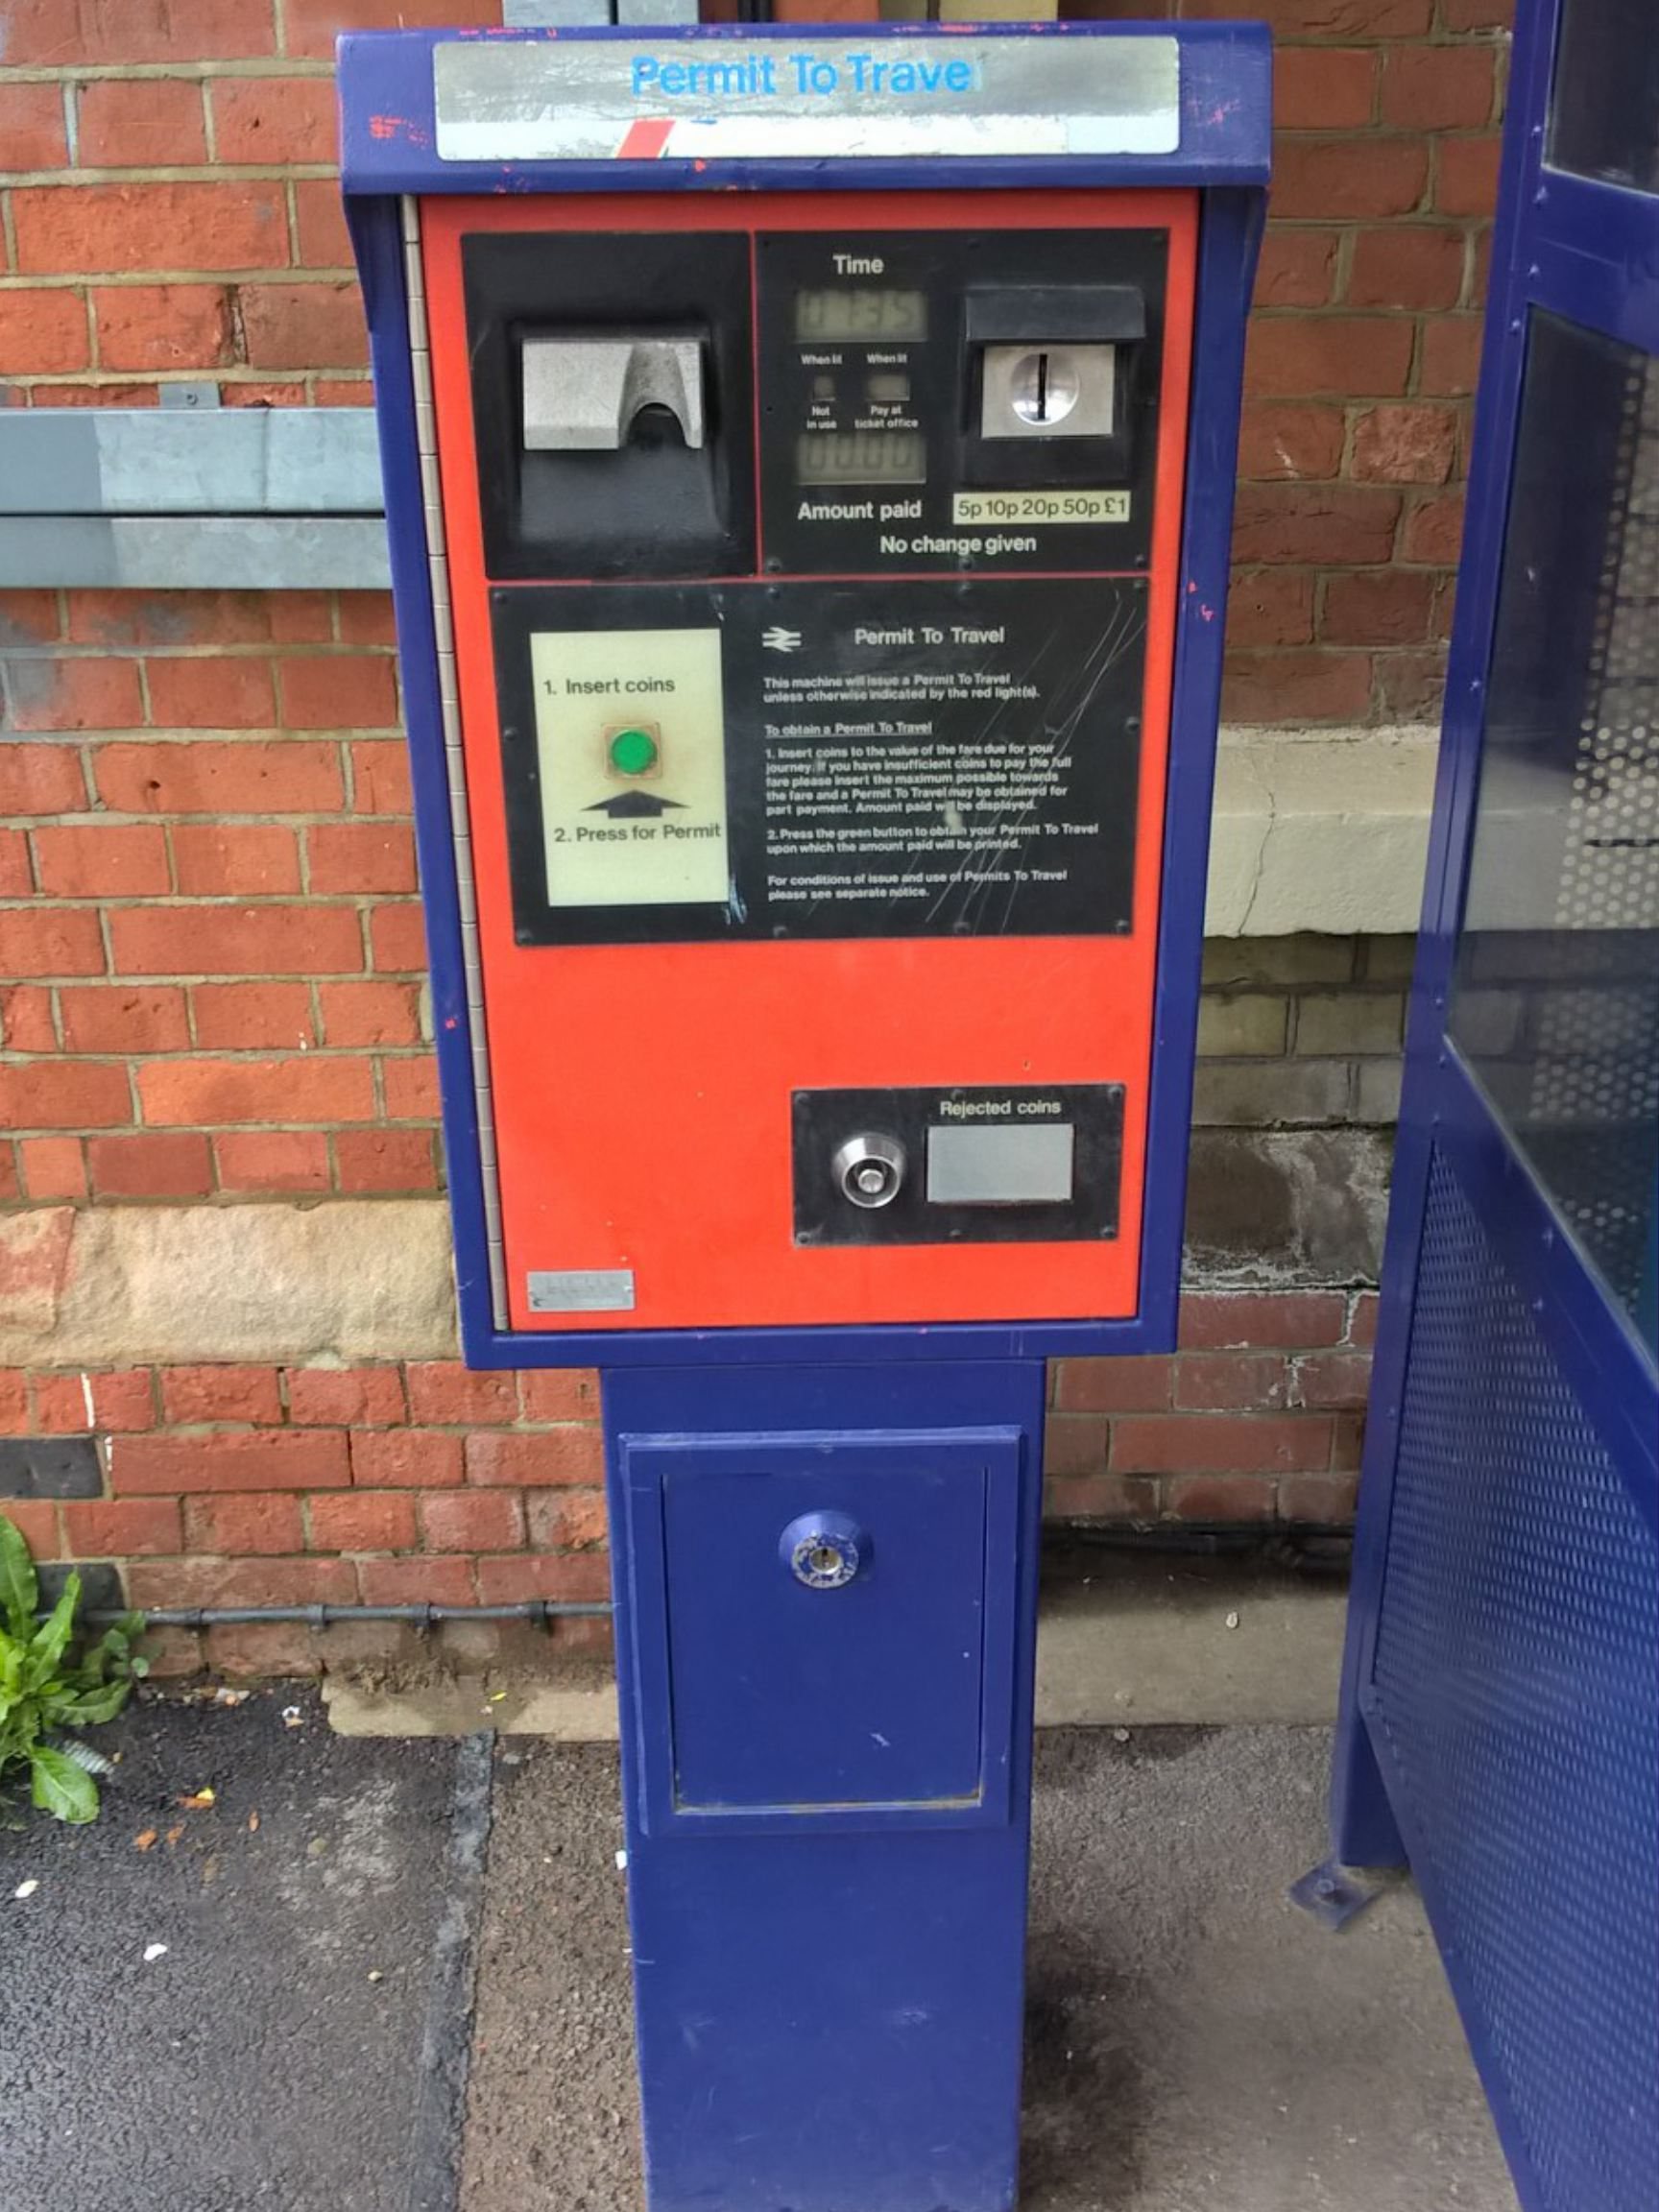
x: 296, y: 2036
x: 1194, y: 2043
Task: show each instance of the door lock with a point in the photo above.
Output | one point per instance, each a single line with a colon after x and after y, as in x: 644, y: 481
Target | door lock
x: 823, y: 1550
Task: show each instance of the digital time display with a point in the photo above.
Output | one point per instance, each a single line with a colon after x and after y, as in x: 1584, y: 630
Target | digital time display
x: 861, y: 457
x: 832, y: 315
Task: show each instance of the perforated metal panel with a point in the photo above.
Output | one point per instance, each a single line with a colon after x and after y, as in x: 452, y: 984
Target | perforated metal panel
x: 1610, y: 866
x: 1556, y: 1001
x: 1515, y: 1672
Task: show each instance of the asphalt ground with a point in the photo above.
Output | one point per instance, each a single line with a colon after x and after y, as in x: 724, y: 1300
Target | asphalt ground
x: 251, y: 2003
x: 356, y: 2010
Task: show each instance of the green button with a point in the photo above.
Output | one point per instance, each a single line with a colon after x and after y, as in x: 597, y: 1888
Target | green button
x: 633, y: 752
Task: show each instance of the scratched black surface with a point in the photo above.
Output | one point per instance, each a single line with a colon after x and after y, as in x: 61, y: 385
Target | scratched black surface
x: 1058, y: 863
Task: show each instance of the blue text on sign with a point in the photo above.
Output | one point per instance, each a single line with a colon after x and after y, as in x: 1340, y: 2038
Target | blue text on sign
x: 810, y: 76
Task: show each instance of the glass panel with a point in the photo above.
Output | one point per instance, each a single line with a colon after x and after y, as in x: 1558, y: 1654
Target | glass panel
x: 1605, y: 122
x: 1556, y: 997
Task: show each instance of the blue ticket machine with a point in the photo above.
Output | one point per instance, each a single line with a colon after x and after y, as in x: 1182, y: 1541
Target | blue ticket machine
x: 808, y: 464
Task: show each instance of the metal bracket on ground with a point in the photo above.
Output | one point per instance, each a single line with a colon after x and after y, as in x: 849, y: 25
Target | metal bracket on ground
x: 1333, y: 1894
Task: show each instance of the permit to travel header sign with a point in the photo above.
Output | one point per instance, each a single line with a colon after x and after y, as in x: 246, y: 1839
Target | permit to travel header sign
x: 820, y: 99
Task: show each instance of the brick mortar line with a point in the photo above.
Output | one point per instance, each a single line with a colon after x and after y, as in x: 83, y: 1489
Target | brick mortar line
x: 274, y: 65
x: 103, y: 656
x: 226, y: 173
x: 191, y: 1055
x: 68, y: 280
x: 511, y: 1424
x: 220, y: 1199
x: 272, y: 818
x: 253, y: 649
x: 291, y: 216
x: 334, y: 1128
x: 127, y: 902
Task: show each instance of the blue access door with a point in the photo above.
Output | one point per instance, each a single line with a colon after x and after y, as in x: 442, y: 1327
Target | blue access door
x: 1500, y: 1702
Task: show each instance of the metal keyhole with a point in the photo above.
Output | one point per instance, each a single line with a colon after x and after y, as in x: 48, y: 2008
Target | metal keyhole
x: 1044, y: 388
x: 823, y: 1550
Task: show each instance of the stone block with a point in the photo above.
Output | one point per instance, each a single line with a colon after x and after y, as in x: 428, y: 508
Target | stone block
x: 1275, y: 1093
x: 1348, y: 1021
x: 1286, y: 1207
x: 50, y: 1467
x: 1377, y: 1092
x: 1242, y: 1024
x: 1256, y: 963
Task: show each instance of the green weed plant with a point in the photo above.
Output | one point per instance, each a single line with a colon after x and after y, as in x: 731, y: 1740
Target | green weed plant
x: 46, y: 1694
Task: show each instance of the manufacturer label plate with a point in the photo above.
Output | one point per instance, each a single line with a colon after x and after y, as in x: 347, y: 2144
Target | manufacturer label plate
x: 817, y: 99
x: 580, y: 1289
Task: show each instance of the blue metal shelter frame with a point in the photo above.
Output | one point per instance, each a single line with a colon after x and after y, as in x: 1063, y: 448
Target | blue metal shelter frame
x: 1225, y: 107
x: 1500, y: 1723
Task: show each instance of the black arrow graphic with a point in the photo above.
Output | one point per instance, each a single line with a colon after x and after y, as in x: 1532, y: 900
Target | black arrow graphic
x: 633, y: 806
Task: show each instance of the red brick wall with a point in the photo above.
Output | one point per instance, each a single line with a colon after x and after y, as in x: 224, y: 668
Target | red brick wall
x: 1364, y: 349
x: 210, y: 900
x: 173, y: 214
x: 423, y: 1484
x: 209, y: 930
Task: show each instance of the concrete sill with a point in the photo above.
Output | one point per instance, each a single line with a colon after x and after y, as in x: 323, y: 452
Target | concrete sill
x: 1324, y: 830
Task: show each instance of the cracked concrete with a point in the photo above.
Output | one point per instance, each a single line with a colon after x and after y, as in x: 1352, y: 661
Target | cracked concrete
x: 1314, y: 831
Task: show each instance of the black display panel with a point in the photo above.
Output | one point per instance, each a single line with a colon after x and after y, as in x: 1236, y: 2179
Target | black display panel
x: 872, y: 351
x: 825, y: 760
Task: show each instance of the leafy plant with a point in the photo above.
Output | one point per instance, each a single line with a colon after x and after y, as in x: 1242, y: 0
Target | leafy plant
x: 44, y: 1691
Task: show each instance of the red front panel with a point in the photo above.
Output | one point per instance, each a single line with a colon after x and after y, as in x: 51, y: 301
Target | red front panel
x: 642, y: 1092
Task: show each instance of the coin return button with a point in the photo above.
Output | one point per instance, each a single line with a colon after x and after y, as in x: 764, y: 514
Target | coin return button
x: 869, y: 1169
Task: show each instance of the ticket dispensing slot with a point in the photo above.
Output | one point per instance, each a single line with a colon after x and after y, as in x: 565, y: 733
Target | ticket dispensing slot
x: 611, y: 405
x: 597, y: 393
x: 1051, y: 383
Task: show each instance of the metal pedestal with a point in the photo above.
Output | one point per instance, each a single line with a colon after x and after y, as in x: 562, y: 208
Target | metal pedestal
x: 825, y: 1586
